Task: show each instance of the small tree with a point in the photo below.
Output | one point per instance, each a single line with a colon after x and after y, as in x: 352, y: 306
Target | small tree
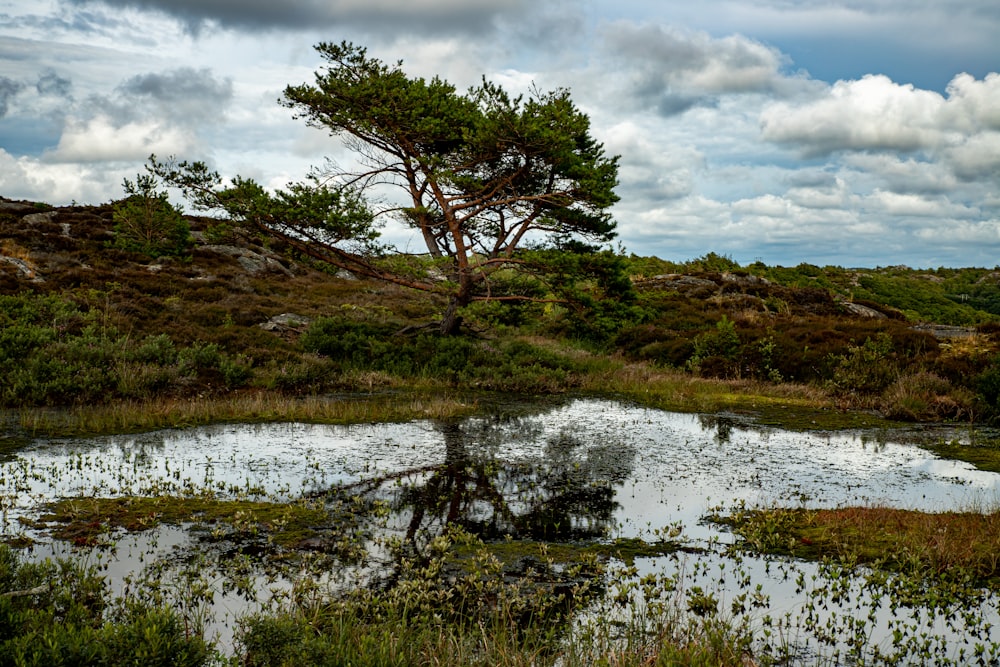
x: 146, y: 222
x: 479, y: 175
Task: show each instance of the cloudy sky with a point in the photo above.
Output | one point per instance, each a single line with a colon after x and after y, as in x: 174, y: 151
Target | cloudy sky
x: 845, y: 132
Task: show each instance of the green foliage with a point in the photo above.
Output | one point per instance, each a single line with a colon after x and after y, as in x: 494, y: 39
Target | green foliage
x: 463, y: 362
x: 601, y: 299
x: 450, y: 606
x: 925, y: 396
x: 921, y: 300
x: 987, y: 385
x: 802, y: 276
x: 866, y: 369
x: 307, y: 374
x: 53, y: 352
x: 146, y: 222
x: 56, y: 613
x: 718, y: 349
x: 712, y: 263
x: 647, y: 267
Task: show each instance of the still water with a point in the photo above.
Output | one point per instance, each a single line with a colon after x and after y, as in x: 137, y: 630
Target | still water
x: 581, y: 470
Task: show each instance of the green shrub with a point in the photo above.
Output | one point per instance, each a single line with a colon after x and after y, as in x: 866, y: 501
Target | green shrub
x: 147, y: 223
x: 867, y: 369
x: 157, y: 350
x: 307, y: 374
x: 342, y: 340
x: 66, y: 620
x: 716, y: 352
x: 922, y: 396
x: 236, y: 372
x: 987, y: 386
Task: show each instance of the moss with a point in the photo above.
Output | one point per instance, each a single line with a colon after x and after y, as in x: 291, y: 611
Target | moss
x: 984, y: 455
x: 84, y: 521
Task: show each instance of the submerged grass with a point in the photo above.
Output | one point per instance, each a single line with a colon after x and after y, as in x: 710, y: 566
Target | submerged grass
x: 83, y: 521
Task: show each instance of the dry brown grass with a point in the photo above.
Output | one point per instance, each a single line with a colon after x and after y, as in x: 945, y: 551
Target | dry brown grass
x: 133, y: 416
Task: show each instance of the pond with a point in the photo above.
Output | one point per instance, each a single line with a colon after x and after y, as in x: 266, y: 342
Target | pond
x: 584, y: 470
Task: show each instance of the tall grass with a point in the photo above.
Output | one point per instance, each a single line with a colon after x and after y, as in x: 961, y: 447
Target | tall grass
x: 134, y: 416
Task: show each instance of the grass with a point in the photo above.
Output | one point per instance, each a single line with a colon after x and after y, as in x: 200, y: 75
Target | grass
x: 931, y: 544
x: 794, y: 406
x: 84, y: 521
x: 255, y: 407
x: 789, y: 405
x: 983, y: 455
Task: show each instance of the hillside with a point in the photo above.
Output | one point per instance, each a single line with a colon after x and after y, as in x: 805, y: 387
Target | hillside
x: 87, y: 322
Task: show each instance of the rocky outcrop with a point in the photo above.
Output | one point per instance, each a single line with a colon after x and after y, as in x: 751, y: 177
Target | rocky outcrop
x: 253, y: 262
x: 943, y: 332
x: 286, y: 323
x: 865, y: 312
x: 25, y: 269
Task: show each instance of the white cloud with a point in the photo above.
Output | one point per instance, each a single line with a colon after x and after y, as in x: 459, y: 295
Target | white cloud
x: 834, y: 197
x: 56, y: 183
x: 976, y: 157
x: 973, y: 104
x: 871, y: 114
x: 959, y: 234
x: 695, y: 60
x: 101, y: 140
x: 909, y: 205
x: 899, y: 174
x: 266, y: 15
x: 673, y: 70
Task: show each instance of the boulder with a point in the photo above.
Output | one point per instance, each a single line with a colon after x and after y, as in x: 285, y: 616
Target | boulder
x: 252, y: 262
x: 858, y: 310
x: 286, y: 322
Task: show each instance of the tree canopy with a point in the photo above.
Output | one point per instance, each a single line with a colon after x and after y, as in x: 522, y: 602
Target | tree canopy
x: 481, y: 176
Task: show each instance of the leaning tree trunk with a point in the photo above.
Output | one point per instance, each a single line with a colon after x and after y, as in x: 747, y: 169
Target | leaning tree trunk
x: 451, y: 323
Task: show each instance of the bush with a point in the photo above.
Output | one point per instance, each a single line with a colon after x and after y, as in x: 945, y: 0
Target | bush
x: 147, y: 223
x: 925, y: 396
x: 987, y: 385
x: 867, y: 369
x: 308, y: 374
x: 66, y: 620
x: 716, y: 352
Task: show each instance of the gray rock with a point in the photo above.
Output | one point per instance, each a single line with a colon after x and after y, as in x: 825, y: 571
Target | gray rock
x: 252, y: 262
x: 858, y: 310
x: 944, y: 332
x: 745, y: 281
x: 286, y: 322
x: 24, y: 268
x: 679, y: 280
x: 35, y: 218
x: 15, y: 207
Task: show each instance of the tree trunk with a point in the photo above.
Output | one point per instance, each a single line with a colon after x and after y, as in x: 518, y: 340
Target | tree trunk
x: 451, y: 323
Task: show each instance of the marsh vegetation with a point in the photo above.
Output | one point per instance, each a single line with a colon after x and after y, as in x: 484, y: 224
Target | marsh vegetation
x: 581, y: 532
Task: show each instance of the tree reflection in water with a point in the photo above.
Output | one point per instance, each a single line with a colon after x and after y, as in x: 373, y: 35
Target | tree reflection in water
x: 502, y: 478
